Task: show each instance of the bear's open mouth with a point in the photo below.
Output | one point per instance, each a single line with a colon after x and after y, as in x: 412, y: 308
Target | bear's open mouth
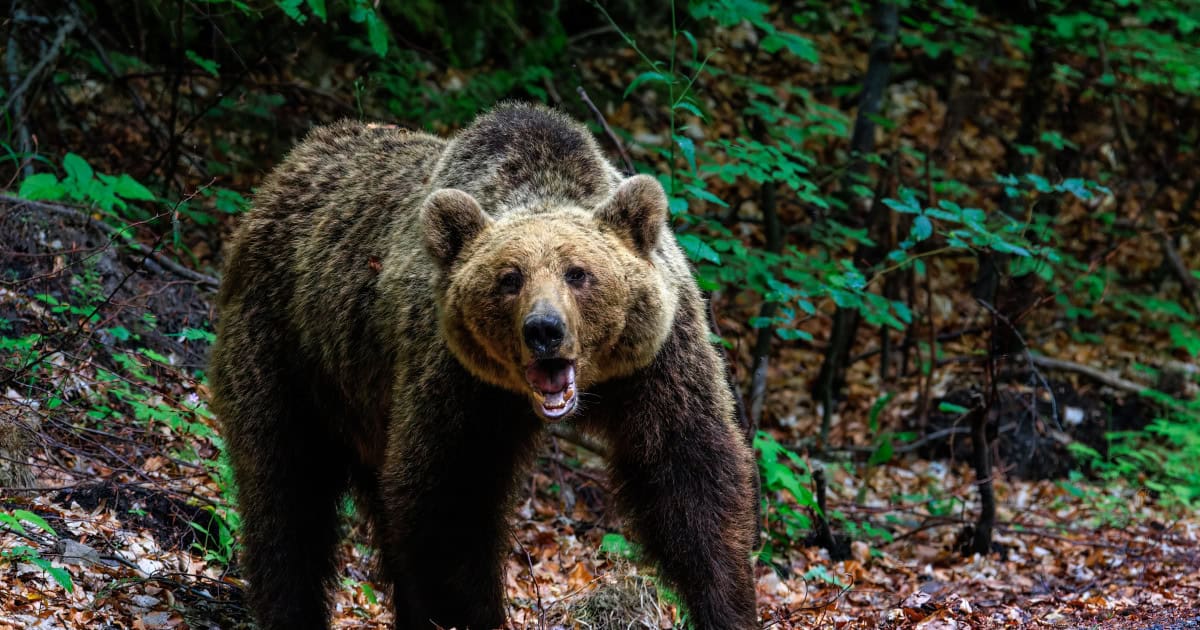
x: 553, y: 384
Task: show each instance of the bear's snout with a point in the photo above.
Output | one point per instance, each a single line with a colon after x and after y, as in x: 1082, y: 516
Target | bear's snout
x: 544, y: 332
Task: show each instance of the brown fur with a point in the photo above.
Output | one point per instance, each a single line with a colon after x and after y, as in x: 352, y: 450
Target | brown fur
x: 364, y: 346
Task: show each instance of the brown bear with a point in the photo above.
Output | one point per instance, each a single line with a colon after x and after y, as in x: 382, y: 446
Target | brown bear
x: 400, y: 317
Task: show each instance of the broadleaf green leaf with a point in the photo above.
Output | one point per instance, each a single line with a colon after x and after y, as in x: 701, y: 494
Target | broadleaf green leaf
x: 41, y: 186
x: 650, y: 76
x: 79, y: 172
x: 698, y: 250
x: 34, y: 519
x: 205, y: 64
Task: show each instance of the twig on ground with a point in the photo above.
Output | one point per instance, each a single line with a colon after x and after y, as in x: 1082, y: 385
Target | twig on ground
x: 1099, y: 376
x: 930, y: 523
x: 1018, y: 529
x: 117, y: 236
x: 909, y: 447
x: 536, y: 589
x: 629, y: 169
x: 821, y: 607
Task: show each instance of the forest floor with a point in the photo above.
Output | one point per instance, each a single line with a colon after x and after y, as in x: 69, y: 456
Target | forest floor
x: 124, y: 487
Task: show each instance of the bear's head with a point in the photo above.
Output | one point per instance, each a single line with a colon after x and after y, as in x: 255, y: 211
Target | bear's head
x: 549, y: 300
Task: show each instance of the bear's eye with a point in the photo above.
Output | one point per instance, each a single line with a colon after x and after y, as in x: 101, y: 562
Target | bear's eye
x: 576, y: 277
x: 510, y: 283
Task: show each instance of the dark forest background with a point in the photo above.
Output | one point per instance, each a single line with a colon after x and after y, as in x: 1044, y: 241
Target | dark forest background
x: 952, y: 250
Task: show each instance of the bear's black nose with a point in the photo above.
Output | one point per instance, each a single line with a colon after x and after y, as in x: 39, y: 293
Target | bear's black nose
x: 544, y: 333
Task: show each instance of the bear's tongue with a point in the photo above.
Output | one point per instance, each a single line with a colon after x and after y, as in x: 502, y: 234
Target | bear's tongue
x: 553, y: 382
x: 550, y: 375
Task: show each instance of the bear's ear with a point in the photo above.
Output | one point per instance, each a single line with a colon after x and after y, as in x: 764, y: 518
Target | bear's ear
x: 451, y: 218
x: 637, y: 211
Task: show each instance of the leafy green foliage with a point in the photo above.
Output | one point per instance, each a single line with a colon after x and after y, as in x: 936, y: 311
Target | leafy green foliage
x: 24, y: 553
x: 129, y: 393
x: 616, y: 545
x: 217, y: 544
x: 942, y: 218
x: 784, y: 474
x: 82, y: 185
x: 13, y: 521
x: 1161, y: 457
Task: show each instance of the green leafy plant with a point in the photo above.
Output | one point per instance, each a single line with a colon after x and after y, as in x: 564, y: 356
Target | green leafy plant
x: 83, y: 185
x: 616, y: 545
x: 1160, y: 457
x: 13, y: 521
x: 786, y: 480
x: 217, y: 544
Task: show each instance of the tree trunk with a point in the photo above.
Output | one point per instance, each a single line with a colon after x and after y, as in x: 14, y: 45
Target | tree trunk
x: 830, y: 380
x: 762, y: 344
x: 1033, y: 106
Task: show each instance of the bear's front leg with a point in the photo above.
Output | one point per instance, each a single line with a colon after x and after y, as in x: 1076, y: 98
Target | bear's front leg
x: 455, y: 448
x: 684, y: 476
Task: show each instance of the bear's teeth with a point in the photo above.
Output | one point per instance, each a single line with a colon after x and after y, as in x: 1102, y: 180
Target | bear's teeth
x: 554, y: 401
x: 570, y: 393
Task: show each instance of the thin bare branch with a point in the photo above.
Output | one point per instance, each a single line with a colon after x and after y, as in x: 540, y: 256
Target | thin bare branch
x: 629, y: 169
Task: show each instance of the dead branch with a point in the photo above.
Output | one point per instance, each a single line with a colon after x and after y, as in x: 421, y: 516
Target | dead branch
x: 1118, y: 116
x: 629, y: 169
x: 541, y: 609
x: 910, y: 447
x: 116, y: 235
x: 1099, y: 376
x: 12, y: 63
x: 60, y: 37
x: 139, y: 104
x: 1171, y: 253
